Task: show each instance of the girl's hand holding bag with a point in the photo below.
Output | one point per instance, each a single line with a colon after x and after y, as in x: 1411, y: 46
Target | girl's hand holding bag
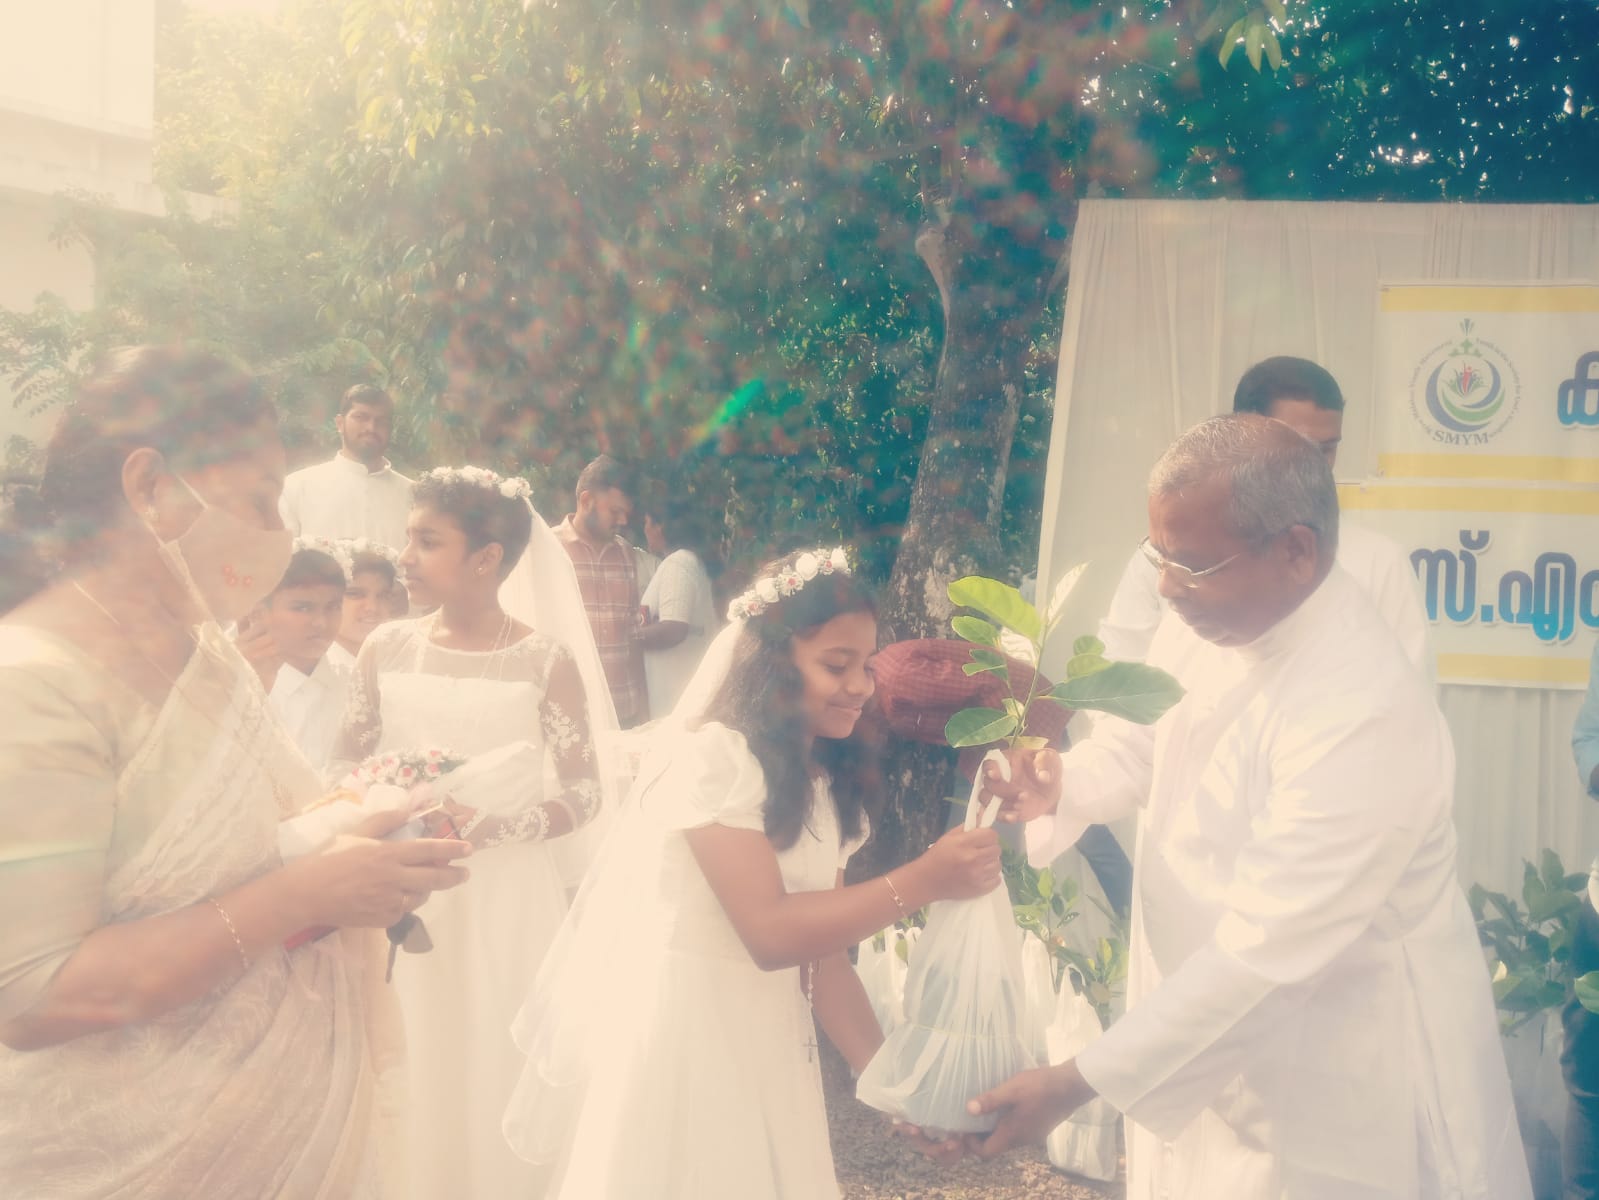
x: 965, y: 1006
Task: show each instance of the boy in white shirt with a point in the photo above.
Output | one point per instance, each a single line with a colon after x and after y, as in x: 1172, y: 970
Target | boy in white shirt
x: 303, y: 615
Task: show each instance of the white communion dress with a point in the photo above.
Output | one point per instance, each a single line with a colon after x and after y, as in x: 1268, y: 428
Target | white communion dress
x: 662, y: 1061
x: 489, y: 935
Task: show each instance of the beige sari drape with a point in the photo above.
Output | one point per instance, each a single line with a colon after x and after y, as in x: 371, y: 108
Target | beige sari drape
x: 274, y: 1085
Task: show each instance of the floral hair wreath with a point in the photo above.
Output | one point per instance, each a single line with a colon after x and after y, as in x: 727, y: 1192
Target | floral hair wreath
x: 337, y: 551
x: 512, y: 487
x: 362, y: 547
x: 772, y: 589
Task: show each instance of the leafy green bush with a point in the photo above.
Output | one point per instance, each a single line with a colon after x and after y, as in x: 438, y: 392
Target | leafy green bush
x: 1529, y: 949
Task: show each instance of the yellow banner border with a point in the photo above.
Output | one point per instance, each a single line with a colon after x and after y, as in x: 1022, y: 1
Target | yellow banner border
x: 1421, y: 497
x: 1474, y: 298
x: 1512, y: 670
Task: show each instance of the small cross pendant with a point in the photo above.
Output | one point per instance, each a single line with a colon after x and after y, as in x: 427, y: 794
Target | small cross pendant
x: 810, y: 1049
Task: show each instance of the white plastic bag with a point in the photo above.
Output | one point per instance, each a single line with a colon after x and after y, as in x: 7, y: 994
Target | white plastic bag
x: 1084, y: 1143
x: 882, y: 971
x: 965, y: 1006
x: 1038, y: 982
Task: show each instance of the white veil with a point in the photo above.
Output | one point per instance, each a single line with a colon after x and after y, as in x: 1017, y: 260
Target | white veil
x: 542, y: 593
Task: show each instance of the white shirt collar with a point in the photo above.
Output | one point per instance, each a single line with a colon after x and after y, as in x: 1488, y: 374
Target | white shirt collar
x: 292, y: 682
x: 354, y: 467
x: 1303, y: 623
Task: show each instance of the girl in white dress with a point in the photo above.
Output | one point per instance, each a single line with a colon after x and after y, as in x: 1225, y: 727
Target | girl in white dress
x: 471, y: 677
x: 670, y: 1036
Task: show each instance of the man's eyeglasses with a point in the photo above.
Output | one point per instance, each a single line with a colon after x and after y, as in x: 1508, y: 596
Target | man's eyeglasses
x: 1183, y: 576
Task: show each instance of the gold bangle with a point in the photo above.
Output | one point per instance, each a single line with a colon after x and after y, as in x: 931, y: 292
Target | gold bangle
x: 238, y: 944
x: 894, y: 892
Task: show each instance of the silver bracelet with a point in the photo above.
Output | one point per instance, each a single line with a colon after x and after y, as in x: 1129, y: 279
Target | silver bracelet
x: 238, y: 944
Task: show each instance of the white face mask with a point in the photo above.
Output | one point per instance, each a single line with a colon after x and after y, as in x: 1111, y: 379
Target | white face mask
x: 227, y: 564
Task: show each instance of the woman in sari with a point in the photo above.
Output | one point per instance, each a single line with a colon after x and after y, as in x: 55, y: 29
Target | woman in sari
x: 157, y: 1037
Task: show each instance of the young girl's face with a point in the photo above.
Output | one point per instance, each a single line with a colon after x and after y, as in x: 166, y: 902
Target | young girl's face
x: 437, y: 565
x: 835, y: 663
x: 365, y: 606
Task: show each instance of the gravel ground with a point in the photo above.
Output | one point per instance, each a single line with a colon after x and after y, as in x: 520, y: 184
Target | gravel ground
x: 874, y: 1165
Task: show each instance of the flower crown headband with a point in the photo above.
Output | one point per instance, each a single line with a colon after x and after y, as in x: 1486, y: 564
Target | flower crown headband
x: 337, y: 551
x: 772, y: 589
x: 365, y: 547
x: 512, y: 487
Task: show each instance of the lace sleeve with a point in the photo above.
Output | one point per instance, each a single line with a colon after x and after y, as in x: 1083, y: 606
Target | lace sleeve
x: 563, y: 720
x: 568, y: 739
x: 362, y: 725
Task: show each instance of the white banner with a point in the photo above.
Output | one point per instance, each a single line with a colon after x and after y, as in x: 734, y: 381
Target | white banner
x: 1509, y: 576
x: 1496, y: 386
x: 1488, y: 381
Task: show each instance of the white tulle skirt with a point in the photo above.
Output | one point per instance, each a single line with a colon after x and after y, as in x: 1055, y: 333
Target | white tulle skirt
x: 458, y: 1000
x: 713, y: 1093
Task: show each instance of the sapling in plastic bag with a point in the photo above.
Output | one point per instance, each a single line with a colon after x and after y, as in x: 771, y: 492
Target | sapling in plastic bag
x: 966, y: 1009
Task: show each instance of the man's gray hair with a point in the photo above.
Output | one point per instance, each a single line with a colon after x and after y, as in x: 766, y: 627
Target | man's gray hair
x: 1278, y: 478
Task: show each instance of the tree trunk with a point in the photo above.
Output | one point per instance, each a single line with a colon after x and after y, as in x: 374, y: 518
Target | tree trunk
x: 956, y: 505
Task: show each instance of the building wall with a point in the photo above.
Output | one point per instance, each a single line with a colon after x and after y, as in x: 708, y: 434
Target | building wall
x: 77, y: 115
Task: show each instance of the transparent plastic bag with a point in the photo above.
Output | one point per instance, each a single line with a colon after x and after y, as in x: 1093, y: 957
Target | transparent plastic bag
x: 966, y: 1008
x: 882, y: 971
x: 1085, y: 1142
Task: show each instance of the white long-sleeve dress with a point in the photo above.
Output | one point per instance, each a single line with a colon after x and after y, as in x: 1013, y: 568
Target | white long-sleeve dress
x: 489, y: 935
x: 1309, y: 1013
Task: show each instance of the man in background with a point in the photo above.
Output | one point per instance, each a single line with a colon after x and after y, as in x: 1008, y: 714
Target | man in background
x: 357, y: 493
x: 607, y: 576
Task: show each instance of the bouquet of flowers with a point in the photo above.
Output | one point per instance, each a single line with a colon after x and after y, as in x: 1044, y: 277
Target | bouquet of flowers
x: 397, y: 781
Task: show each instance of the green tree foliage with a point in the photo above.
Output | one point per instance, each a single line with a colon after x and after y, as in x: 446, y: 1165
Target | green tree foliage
x: 805, y: 259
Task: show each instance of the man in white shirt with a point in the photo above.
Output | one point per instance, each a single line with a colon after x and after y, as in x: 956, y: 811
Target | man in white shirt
x: 1309, y: 1015
x: 357, y: 493
x: 303, y: 615
x: 1305, y: 397
x: 679, y: 609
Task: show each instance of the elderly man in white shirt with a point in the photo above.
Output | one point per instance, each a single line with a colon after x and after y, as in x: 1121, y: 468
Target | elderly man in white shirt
x: 357, y: 493
x: 1304, y: 396
x: 1309, y: 1014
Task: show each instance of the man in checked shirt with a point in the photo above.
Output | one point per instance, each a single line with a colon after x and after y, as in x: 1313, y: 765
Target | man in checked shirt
x: 608, y: 579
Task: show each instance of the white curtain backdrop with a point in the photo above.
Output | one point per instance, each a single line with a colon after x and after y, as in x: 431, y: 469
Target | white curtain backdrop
x: 1168, y: 302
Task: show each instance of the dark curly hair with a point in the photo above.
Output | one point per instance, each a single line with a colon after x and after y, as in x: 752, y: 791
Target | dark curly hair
x: 485, y: 516
x: 762, y: 698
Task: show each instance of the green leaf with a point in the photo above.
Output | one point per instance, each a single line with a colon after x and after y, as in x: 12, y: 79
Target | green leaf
x: 1229, y: 41
x: 1085, y: 664
x: 1274, y: 51
x: 987, y: 660
x: 1551, y: 870
x: 1551, y: 906
x: 999, y: 602
x: 1063, y: 592
x: 1016, y: 709
x: 1088, y: 644
x: 975, y: 630
x: 978, y: 727
x: 1278, y: 10
x: 1254, y: 42
x: 1133, y: 691
x: 1587, y: 988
